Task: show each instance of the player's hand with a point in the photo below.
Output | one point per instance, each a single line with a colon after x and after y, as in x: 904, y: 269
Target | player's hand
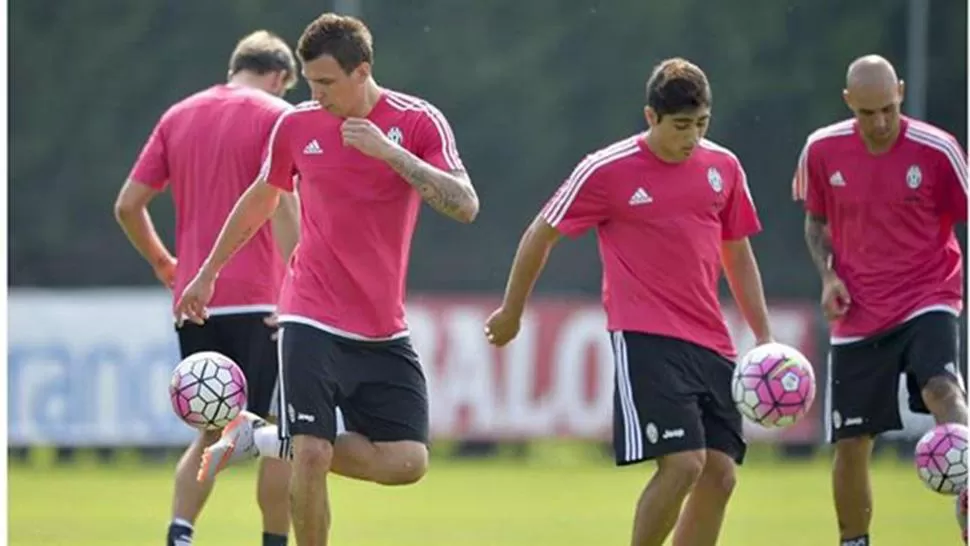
x: 502, y: 326
x: 835, y: 298
x: 165, y: 272
x: 366, y: 137
x: 273, y: 321
x: 192, y: 304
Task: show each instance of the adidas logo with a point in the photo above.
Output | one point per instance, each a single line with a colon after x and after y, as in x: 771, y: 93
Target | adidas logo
x: 313, y: 148
x: 640, y: 197
x: 836, y: 179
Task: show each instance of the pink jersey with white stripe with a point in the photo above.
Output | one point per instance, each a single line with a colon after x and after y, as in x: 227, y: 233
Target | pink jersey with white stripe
x: 891, y: 218
x: 660, y: 228
x: 209, y: 147
x: 347, y: 275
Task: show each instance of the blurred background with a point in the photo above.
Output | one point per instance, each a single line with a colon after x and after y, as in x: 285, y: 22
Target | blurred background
x: 529, y: 87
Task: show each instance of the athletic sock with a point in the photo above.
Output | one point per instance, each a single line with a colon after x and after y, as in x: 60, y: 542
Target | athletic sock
x: 179, y: 533
x: 857, y: 541
x: 270, y: 539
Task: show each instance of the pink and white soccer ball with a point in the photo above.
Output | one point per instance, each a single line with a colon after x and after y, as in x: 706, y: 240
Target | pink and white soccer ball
x: 207, y: 390
x: 773, y: 385
x: 941, y: 458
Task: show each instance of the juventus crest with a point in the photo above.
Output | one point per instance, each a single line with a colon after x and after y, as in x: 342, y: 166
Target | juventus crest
x: 914, y: 177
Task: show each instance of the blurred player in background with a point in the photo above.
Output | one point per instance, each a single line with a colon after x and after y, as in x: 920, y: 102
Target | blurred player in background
x: 209, y: 147
x: 366, y: 156
x: 670, y: 209
x: 882, y: 193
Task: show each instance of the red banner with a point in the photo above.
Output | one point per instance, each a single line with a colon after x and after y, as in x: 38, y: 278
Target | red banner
x: 556, y: 378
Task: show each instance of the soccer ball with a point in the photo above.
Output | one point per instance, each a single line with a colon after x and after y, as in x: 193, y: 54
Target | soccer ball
x: 773, y: 385
x: 941, y: 458
x: 207, y: 390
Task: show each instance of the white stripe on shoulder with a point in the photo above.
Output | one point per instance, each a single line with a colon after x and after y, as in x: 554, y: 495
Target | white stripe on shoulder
x: 943, y: 142
x: 564, y: 198
x: 449, y: 147
x: 268, y: 162
x: 800, y: 181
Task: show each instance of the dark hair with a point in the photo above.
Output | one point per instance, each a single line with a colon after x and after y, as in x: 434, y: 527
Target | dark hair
x: 263, y: 52
x: 344, y: 38
x: 677, y: 85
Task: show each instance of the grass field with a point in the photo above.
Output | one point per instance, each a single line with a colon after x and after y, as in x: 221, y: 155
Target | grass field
x: 547, y: 501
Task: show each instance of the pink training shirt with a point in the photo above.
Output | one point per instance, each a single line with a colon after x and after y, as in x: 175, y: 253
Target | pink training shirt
x: 209, y: 147
x: 347, y: 275
x: 660, y: 228
x: 891, y: 218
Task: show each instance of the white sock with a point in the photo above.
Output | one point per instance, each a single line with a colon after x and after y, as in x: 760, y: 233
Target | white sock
x: 267, y: 441
x: 182, y: 523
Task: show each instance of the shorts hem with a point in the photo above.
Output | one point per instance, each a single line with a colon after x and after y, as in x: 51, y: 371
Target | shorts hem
x: 659, y: 453
x: 871, y: 432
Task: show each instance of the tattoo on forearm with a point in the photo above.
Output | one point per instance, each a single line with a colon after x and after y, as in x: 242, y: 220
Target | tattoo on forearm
x: 819, y: 244
x: 450, y: 194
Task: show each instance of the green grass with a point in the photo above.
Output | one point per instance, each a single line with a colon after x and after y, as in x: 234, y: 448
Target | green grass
x: 501, y: 502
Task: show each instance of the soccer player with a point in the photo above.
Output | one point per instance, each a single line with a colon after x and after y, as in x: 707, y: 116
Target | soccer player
x: 208, y: 147
x: 882, y: 193
x: 366, y: 156
x: 670, y: 209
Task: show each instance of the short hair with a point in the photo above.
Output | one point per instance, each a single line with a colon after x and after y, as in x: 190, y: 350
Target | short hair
x: 263, y: 52
x: 345, y: 38
x: 677, y: 85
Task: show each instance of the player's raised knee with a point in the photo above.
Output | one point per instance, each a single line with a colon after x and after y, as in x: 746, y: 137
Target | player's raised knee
x: 941, y: 389
x: 408, y: 463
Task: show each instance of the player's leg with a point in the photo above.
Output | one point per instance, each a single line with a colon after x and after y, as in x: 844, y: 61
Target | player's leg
x: 255, y: 350
x: 386, y: 415
x: 700, y: 521
x: 190, y: 494
x: 703, y: 514
x: 934, y: 381
x: 307, y: 396
x: 933, y: 377
x: 862, y: 390
x: 656, y: 416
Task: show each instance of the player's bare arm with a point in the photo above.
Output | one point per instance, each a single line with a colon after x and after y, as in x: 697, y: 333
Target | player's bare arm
x: 252, y: 210
x: 131, y: 211
x: 538, y: 240
x: 450, y: 193
x: 286, y: 224
x: 819, y: 244
x: 835, y: 296
x: 744, y: 278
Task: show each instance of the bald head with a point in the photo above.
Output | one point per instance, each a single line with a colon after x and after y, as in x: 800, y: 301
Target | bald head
x: 874, y: 94
x: 871, y: 71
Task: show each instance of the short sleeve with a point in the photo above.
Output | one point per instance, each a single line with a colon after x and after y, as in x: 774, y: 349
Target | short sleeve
x: 807, y: 184
x: 278, y: 166
x: 951, y: 194
x: 434, y: 141
x: 581, y: 202
x: 739, y: 217
x: 151, y: 167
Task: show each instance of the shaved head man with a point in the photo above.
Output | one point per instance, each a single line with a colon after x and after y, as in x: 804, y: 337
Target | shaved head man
x: 876, y: 185
x: 874, y: 94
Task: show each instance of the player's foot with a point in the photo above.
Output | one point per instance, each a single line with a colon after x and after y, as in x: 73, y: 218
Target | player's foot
x: 962, y: 514
x: 236, y: 444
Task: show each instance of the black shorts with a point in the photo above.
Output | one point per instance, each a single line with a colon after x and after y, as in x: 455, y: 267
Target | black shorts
x: 248, y: 342
x: 378, y: 385
x: 862, y: 397
x: 671, y: 396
